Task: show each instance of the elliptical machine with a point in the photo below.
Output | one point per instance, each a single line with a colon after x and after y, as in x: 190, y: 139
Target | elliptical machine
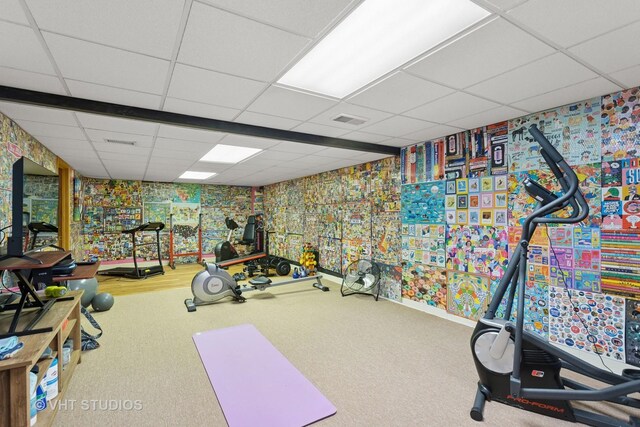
x: 520, y: 369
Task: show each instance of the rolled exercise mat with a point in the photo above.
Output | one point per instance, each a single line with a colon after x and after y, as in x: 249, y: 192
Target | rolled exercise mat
x: 255, y: 384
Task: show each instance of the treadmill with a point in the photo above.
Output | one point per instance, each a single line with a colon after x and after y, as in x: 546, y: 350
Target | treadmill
x: 136, y: 272
x: 41, y: 227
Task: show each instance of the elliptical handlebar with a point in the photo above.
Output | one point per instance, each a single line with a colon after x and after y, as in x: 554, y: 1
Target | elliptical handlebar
x: 568, y: 180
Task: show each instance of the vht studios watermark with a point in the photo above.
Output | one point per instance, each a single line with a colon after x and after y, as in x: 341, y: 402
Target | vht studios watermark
x: 113, y: 405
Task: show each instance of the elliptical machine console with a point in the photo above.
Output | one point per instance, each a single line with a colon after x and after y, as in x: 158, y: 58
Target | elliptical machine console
x: 520, y: 369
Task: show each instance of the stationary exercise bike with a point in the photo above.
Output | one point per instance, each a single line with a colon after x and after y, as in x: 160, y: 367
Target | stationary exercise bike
x: 520, y: 369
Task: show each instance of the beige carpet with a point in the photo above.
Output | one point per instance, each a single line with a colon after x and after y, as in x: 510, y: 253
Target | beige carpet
x: 380, y: 364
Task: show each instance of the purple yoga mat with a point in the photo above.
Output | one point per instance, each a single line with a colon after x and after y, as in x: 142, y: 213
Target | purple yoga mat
x: 255, y: 384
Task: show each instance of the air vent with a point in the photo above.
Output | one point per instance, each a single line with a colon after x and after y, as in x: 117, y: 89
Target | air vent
x: 119, y: 141
x: 352, y: 120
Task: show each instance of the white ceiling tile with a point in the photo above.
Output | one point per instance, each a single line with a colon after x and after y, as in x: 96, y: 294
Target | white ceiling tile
x: 424, y: 135
x: 193, y: 147
x: 99, y: 136
x: 236, y: 45
x: 488, y: 117
x: 94, y: 63
x: 113, y: 94
x: 270, y: 154
x: 499, y: 46
x: 288, y: 103
x: 568, y: 22
x: 160, y: 177
x: 249, y: 141
x: 259, y: 119
x: 399, y: 142
x: 122, y: 152
x: 451, y: 107
x: 199, y: 109
x: 544, y: 75
x: 257, y: 162
x: 317, y: 129
x: 121, y: 164
x: 294, y: 147
x: 614, y: 51
x: 195, y: 84
x: 57, y: 131
x: 315, y: 161
x: 191, y: 155
x: 88, y: 156
x: 161, y: 163
x: 585, y: 90
x: 339, y: 153
x: 400, y: 92
x: 126, y: 174
x: 144, y: 26
x: 630, y: 77
x: 12, y: 11
x: 27, y: 54
x: 365, y: 137
x: 95, y: 121
x: 208, y: 167
x: 398, y: 126
x: 190, y: 134
x: 501, y: 4
x: 371, y: 116
x: 75, y: 146
x: 37, y: 114
x: 370, y: 157
x: 307, y: 17
x: 32, y: 81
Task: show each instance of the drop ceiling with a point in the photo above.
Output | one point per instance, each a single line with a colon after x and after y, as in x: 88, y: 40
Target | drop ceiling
x: 221, y: 59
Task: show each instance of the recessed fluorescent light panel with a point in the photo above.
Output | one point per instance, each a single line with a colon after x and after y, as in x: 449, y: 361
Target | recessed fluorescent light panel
x: 196, y: 175
x: 229, y: 154
x: 377, y: 37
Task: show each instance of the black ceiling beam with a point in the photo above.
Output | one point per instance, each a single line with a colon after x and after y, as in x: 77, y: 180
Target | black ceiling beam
x: 44, y: 99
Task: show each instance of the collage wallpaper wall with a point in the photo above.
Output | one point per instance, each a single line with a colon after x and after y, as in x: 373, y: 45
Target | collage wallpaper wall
x: 453, y: 210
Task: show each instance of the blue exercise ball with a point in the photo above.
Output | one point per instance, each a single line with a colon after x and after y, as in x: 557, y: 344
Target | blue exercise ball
x: 102, y: 302
x: 89, y: 286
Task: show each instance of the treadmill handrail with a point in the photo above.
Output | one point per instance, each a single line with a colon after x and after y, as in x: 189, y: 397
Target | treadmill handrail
x: 147, y: 226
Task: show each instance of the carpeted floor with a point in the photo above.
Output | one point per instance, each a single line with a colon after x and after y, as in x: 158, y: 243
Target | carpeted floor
x: 379, y: 363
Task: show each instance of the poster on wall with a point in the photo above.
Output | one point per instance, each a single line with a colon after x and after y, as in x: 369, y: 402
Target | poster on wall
x: 604, y: 314
x: 390, y: 281
x: 44, y: 210
x: 456, y: 158
x: 93, y: 220
x: 186, y: 213
x: 573, y: 129
x: 423, y: 203
x: 632, y: 332
x: 425, y: 284
x: 620, y: 262
x: 386, y: 240
x: 330, y: 250
x: 467, y: 294
x: 621, y: 194
x: 521, y: 204
x: 620, y: 123
x: 385, y: 185
x: 477, y: 249
x: 498, y: 136
x: 478, y: 153
x: 186, y: 193
x: 118, y: 219
x: 157, y: 212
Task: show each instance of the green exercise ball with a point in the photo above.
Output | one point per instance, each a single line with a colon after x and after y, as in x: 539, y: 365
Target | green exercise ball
x: 89, y: 286
x: 102, y: 302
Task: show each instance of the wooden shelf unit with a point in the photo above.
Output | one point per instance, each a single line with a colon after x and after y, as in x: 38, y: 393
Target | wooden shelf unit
x: 14, y: 373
